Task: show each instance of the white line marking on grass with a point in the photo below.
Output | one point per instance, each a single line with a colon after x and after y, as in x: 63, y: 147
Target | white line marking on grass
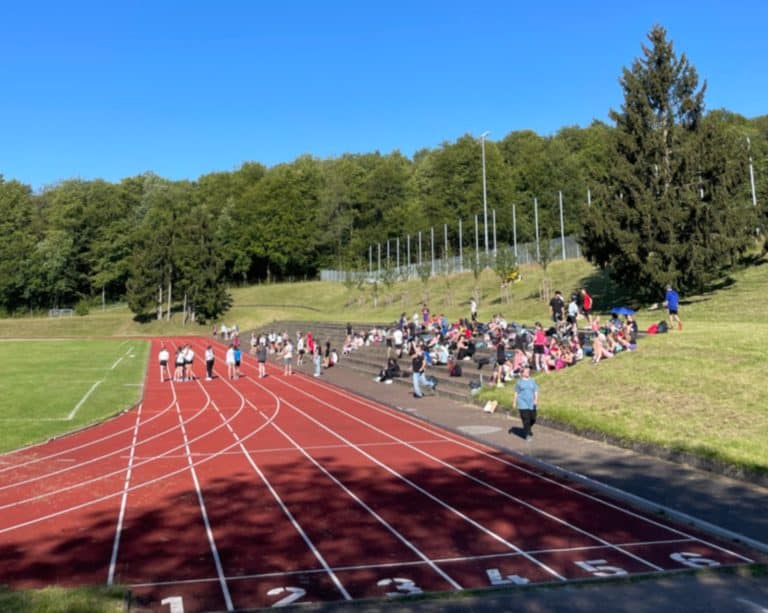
x: 121, y: 515
x: 74, y: 411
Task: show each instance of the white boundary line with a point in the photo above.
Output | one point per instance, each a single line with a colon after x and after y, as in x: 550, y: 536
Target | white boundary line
x: 121, y: 515
x: 608, y: 490
x: 204, y: 512
x: 476, y: 480
x: 74, y: 411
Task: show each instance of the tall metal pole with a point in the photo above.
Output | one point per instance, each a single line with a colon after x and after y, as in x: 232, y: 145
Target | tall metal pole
x: 432, y: 248
x: 408, y: 245
x: 388, y: 253
x: 514, y: 229
x: 589, y: 197
x: 397, y: 252
x: 419, y: 247
x: 378, y: 245
x: 494, y: 232
x: 536, y: 221
x: 562, y: 226
x: 751, y: 173
x: 370, y: 260
x: 461, y: 248
x: 445, y: 242
x: 477, y: 244
x: 485, y: 194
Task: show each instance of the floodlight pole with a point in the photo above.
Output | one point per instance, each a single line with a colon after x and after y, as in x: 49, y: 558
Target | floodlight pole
x: 485, y: 194
x: 751, y: 173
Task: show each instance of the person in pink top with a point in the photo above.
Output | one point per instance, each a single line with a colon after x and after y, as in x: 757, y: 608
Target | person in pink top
x: 539, y: 343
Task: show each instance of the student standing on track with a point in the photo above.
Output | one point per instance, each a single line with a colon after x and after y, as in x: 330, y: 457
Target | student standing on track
x: 189, y: 358
x: 300, y: 348
x: 163, y: 358
x: 526, y: 401
x: 238, y: 356
x: 288, y: 357
x: 209, y: 359
x: 178, y: 374
x: 261, y: 358
x: 230, y: 360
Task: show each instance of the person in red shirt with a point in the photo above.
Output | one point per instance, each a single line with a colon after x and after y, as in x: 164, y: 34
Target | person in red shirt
x: 586, y: 304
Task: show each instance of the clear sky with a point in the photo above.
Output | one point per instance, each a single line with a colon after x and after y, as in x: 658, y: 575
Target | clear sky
x: 113, y: 89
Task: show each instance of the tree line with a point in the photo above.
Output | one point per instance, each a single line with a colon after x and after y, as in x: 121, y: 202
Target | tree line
x: 671, y: 203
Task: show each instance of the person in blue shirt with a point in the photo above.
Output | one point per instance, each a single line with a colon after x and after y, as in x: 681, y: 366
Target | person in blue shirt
x: 672, y: 301
x: 526, y: 401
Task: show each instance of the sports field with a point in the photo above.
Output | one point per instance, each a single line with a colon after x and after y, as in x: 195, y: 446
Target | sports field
x: 56, y: 386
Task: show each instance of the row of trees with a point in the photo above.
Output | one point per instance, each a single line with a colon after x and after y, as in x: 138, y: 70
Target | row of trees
x: 671, y: 198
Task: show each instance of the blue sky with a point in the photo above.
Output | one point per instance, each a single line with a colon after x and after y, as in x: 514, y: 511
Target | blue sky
x: 113, y: 89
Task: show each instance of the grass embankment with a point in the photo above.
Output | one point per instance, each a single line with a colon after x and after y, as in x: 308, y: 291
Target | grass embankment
x: 61, y: 600
x: 700, y: 391
x: 51, y: 387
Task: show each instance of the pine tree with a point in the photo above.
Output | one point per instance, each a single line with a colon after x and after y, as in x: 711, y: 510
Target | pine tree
x: 667, y: 209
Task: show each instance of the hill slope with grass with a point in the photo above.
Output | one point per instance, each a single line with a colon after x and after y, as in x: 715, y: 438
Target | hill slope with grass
x: 698, y: 391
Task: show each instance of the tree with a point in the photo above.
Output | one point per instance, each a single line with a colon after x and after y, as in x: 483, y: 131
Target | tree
x: 666, y: 209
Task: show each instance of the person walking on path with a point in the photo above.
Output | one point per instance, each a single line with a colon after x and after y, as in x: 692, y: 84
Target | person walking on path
x: 418, y: 364
x: 672, y: 302
x: 526, y: 401
x: 318, y: 361
x: 209, y: 359
x: 163, y: 356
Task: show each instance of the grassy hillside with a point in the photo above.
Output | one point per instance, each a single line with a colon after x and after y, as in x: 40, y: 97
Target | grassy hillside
x: 700, y: 391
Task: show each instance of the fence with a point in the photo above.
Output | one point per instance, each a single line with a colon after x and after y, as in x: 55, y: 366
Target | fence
x: 526, y: 254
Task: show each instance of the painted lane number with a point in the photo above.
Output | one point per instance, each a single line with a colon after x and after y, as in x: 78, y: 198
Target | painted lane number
x: 294, y: 594
x: 404, y: 587
x: 496, y: 579
x: 694, y: 560
x: 600, y: 568
x: 176, y: 603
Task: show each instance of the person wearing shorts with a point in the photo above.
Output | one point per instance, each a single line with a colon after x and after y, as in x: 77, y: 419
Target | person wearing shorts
x: 189, y: 358
x: 178, y: 374
x: 238, y: 357
x: 163, y: 357
x: 672, y: 302
x: 261, y: 358
x: 586, y: 304
x: 229, y: 358
x: 288, y: 358
x: 209, y: 360
x: 539, y: 342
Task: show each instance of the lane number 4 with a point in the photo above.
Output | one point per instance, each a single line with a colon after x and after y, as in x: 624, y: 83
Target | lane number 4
x: 294, y: 594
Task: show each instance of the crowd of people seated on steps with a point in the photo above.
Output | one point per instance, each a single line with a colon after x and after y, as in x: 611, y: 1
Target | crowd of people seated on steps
x: 574, y: 335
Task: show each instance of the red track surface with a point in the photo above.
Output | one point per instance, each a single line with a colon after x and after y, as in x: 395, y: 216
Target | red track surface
x: 214, y: 495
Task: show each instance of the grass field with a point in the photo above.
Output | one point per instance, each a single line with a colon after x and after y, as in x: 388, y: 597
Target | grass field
x: 50, y: 387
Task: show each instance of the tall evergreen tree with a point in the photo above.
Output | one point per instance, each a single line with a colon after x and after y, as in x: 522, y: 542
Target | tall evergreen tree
x: 667, y: 209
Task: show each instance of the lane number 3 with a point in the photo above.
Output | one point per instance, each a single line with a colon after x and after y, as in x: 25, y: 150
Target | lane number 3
x: 404, y: 587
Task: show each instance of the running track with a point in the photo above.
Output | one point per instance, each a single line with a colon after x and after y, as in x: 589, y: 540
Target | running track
x: 220, y: 495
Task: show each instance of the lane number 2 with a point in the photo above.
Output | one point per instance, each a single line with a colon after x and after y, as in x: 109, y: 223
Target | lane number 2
x: 403, y: 587
x: 294, y: 594
x: 600, y: 568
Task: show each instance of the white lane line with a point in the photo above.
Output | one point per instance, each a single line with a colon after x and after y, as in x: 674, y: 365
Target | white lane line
x: 123, y: 502
x: 378, y: 517
x: 486, y: 451
x: 428, y: 494
x: 74, y: 411
x: 133, y: 488
x: 286, y: 511
x: 204, y: 511
x: 480, y: 482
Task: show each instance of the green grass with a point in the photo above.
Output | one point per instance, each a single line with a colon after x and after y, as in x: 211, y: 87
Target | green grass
x: 61, y: 600
x: 701, y: 391
x: 43, y: 382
